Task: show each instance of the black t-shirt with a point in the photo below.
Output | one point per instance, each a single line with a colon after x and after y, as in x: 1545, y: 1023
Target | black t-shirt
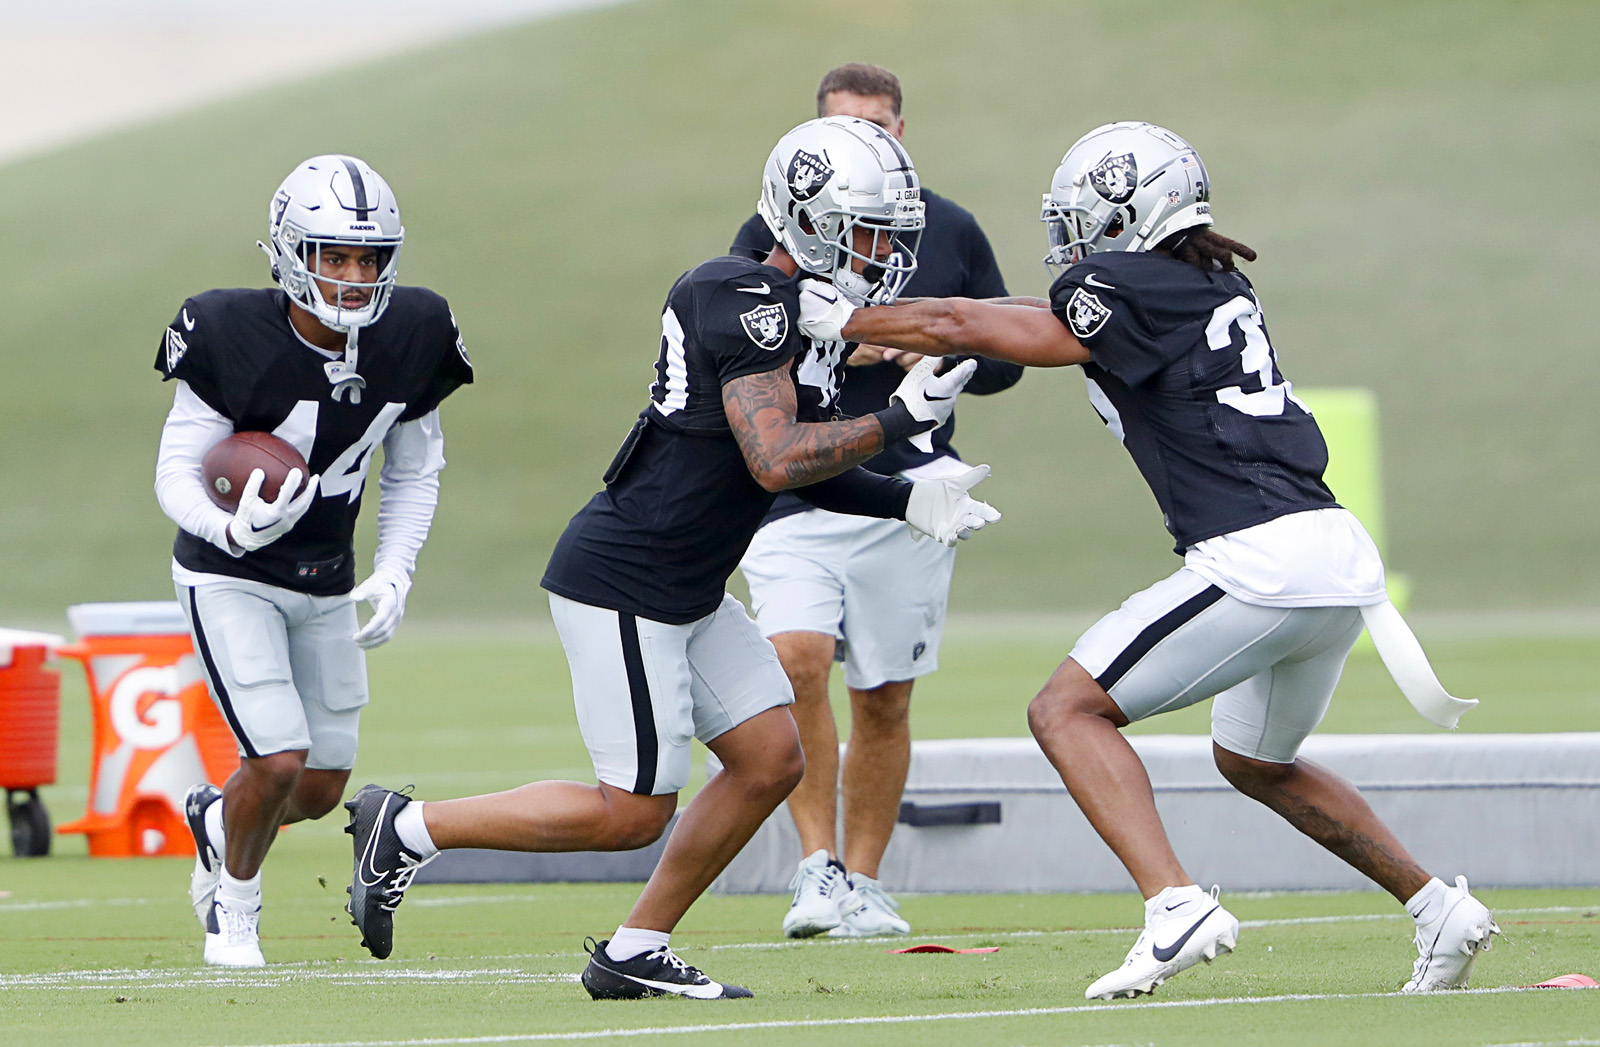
x: 680, y: 505
x: 954, y: 260
x: 237, y: 352
x: 1182, y: 372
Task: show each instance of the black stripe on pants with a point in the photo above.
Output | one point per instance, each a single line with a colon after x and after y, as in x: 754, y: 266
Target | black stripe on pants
x: 1154, y: 633
x: 644, y: 716
x: 217, y: 686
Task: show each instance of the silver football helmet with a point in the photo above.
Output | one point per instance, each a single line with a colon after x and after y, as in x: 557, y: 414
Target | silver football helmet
x: 1123, y: 187
x: 328, y: 200
x: 831, y: 176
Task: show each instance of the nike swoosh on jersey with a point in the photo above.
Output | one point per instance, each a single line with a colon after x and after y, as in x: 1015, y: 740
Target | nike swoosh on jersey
x: 1165, y: 954
x: 188, y: 324
x: 371, y: 850
x: 1092, y: 282
x: 760, y: 288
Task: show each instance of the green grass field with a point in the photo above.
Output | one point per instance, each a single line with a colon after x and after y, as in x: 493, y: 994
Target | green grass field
x: 100, y: 951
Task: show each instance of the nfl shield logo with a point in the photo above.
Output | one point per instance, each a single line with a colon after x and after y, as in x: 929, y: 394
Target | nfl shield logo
x: 807, y: 175
x: 767, y: 325
x: 1115, y: 177
x: 1086, y: 314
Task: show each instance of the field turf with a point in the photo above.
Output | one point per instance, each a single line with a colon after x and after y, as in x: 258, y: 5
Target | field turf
x: 96, y: 951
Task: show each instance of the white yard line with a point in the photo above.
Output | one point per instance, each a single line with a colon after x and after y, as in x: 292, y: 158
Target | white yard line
x: 888, y: 1019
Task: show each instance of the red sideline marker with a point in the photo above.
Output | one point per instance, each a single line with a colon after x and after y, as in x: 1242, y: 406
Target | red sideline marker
x: 930, y: 947
x: 1567, y: 981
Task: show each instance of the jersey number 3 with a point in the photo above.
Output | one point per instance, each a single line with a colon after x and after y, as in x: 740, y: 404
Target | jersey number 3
x: 1257, y: 358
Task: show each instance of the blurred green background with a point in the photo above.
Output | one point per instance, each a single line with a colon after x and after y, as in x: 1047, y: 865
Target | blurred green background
x: 1414, y: 176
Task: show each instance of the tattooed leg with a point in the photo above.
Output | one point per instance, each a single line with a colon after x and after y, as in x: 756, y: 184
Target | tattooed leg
x: 1330, y: 811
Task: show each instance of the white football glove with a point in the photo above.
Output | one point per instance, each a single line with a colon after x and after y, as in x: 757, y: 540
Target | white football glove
x: 385, y: 589
x: 942, y: 509
x: 258, y: 523
x: 932, y: 399
x: 824, y: 311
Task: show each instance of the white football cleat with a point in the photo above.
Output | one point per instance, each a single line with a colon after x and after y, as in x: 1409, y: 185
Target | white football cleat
x: 233, y: 937
x: 867, y: 912
x: 1182, y: 927
x: 207, y: 854
x: 1449, y: 938
x: 818, y: 884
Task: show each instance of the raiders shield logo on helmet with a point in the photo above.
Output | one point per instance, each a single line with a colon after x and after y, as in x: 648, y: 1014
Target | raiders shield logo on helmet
x: 767, y: 325
x: 807, y: 175
x: 1115, y: 178
x: 1086, y: 314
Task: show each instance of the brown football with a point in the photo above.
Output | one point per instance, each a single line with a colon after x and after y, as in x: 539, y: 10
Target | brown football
x: 226, y: 467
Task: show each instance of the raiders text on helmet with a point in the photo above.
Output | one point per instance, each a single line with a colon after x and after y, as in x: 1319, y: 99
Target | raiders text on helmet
x: 829, y: 176
x: 1123, y: 187
x: 331, y: 200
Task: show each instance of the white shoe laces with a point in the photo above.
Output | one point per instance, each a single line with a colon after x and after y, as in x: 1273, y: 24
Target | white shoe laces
x: 872, y: 894
x: 238, y: 926
x: 666, y: 955
x: 395, y: 892
x: 814, y: 880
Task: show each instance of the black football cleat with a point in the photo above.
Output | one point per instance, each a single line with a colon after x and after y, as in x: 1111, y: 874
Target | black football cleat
x: 656, y: 973
x: 383, y: 866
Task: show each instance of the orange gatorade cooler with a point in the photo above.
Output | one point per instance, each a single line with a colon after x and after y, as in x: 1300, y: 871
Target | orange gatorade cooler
x: 156, y: 730
x: 30, y: 725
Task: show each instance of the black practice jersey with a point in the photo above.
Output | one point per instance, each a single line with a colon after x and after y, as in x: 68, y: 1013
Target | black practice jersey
x: 236, y: 350
x: 680, y: 505
x: 954, y: 260
x: 1182, y: 372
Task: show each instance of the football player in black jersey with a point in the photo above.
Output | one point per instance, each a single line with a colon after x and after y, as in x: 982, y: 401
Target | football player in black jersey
x: 815, y: 575
x: 742, y: 407
x: 1277, y: 578
x: 337, y: 361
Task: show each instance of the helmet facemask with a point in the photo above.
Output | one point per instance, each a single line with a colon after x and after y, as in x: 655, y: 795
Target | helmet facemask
x: 297, y: 266
x: 888, y: 262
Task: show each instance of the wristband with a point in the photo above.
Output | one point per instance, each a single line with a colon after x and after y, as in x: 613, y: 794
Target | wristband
x: 898, y: 423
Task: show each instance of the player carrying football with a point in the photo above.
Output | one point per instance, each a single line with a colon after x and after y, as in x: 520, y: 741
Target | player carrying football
x: 1277, y: 578
x: 742, y: 407
x: 268, y: 589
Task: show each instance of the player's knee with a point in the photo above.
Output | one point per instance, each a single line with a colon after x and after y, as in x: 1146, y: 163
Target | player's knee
x: 636, y: 821
x: 1251, y: 777
x: 276, y: 774
x: 319, y: 794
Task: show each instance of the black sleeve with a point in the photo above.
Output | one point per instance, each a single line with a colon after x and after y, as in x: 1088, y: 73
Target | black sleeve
x: 748, y: 331
x: 753, y: 241
x: 1111, y: 324
x: 453, y: 370
x: 859, y: 493
x: 183, y: 355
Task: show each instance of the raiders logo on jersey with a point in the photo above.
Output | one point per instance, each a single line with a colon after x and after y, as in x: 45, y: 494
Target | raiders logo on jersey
x: 1115, y: 178
x: 767, y: 325
x: 176, y: 347
x: 807, y: 175
x: 1086, y: 314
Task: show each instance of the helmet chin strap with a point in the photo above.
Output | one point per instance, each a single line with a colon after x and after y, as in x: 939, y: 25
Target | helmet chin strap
x: 342, y: 373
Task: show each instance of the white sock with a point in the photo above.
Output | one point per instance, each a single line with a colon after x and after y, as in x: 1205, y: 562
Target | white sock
x: 239, y: 894
x: 413, y: 831
x: 213, y: 819
x: 629, y: 942
x: 1424, y: 905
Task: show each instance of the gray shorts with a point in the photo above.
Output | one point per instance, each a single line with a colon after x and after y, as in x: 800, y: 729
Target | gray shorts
x: 282, y: 667
x: 645, y: 690
x: 870, y: 583
x: 1183, y: 640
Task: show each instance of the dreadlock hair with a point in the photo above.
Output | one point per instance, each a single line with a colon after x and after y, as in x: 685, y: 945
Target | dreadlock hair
x: 1205, y: 250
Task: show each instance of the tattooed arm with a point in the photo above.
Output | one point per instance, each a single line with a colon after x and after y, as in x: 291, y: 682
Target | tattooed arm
x: 781, y: 452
